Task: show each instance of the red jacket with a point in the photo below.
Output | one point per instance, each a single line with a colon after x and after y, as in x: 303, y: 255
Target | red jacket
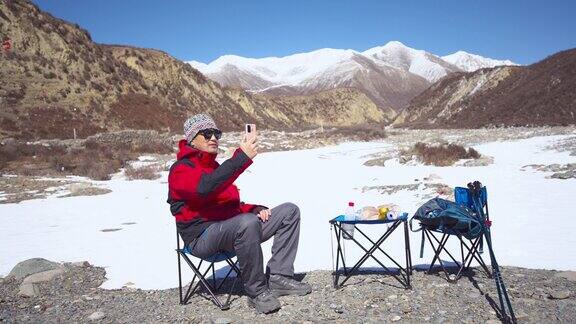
x: 201, y: 191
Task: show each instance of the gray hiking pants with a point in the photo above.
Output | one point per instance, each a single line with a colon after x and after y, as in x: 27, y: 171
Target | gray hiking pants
x: 243, y: 234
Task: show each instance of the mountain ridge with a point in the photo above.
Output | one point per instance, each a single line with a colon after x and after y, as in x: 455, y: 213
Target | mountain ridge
x: 541, y: 94
x: 375, y: 71
x: 472, y: 62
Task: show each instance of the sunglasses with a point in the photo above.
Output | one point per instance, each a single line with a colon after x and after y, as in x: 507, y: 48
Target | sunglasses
x: 208, y: 132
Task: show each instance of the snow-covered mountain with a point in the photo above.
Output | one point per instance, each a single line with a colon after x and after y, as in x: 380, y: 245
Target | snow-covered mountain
x: 390, y: 75
x: 419, y: 62
x: 472, y: 62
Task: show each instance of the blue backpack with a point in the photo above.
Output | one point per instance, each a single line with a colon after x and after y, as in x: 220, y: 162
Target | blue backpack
x: 448, y: 217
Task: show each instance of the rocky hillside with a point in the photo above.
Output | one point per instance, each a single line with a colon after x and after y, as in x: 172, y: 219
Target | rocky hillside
x: 342, y: 107
x: 55, y: 80
x: 38, y: 290
x: 540, y: 94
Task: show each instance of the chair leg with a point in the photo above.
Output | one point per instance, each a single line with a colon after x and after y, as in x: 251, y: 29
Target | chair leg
x: 179, y: 277
x: 213, y: 288
x: 190, y: 291
x: 197, y: 273
x: 475, y: 255
x: 233, y: 267
x: 201, y: 276
x: 213, y: 275
x: 437, y: 250
x: 468, y: 253
x: 230, y: 293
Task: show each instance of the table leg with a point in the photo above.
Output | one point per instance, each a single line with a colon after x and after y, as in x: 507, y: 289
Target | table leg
x: 338, y: 253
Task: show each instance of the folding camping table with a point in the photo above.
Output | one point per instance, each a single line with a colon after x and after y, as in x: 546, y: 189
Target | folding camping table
x: 403, y: 275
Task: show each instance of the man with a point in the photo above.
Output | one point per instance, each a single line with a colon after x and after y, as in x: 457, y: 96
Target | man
x: 210, y: 217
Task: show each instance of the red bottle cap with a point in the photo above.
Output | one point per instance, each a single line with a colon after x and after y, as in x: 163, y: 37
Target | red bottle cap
x: 351, y: 204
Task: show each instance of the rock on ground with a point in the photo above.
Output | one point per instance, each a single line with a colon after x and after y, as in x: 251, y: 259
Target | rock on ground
x: 29, y: 287
x: 97, y: 316
x: 32, y: 266
x: 570, y: 275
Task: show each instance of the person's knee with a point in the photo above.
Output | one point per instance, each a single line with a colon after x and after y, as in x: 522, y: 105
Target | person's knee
x: 249, y: 223
x: 293, y: 211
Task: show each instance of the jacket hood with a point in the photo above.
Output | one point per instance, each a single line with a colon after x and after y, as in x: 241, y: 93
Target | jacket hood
x: 187, y: 151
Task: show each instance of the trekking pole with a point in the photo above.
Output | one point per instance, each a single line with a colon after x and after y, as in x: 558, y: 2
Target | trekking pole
x: 475, y: 192
x: 500, y: 286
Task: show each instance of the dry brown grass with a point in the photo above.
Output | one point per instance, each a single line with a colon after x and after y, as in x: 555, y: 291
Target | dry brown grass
x: 95, y: 161
x: 141, y: 173
x: 32, y: 153
x: 443, y: 154
x: 97, y: 170
x: 98, y: 159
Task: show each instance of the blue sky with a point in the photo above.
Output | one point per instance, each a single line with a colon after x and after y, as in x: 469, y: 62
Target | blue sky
x: 523, y: 31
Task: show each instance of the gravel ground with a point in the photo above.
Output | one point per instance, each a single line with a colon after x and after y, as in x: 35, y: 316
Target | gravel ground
x: 537, y: 295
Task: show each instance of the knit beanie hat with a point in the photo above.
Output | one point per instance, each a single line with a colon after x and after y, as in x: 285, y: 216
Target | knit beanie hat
x: 197, y: 123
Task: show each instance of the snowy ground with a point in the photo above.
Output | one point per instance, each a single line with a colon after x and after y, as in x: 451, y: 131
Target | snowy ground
x: 131, y: 233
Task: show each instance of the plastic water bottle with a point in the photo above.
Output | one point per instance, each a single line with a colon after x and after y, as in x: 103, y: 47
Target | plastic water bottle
x: 349, y: 215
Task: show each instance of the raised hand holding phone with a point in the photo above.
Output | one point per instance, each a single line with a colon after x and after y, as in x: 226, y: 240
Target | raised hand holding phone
x: 249, y: 141
x: 250, y: 129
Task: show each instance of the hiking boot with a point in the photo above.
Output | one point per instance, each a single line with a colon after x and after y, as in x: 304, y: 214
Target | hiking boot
x: 282, y: 286
x: 265, y: 303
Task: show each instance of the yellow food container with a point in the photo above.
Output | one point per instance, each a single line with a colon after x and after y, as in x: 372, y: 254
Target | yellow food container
x: 382, y: 211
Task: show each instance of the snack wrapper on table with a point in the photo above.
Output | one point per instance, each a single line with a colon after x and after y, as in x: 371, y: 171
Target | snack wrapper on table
x: 386, y: 211
x: 369, y: 213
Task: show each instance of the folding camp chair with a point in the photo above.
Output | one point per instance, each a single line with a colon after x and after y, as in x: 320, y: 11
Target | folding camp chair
x: 470, y: 249
x: 475, y: 198
x: 211, y: 287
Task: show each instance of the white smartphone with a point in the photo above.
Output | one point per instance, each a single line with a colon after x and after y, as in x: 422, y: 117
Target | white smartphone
x: 250, y: 129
